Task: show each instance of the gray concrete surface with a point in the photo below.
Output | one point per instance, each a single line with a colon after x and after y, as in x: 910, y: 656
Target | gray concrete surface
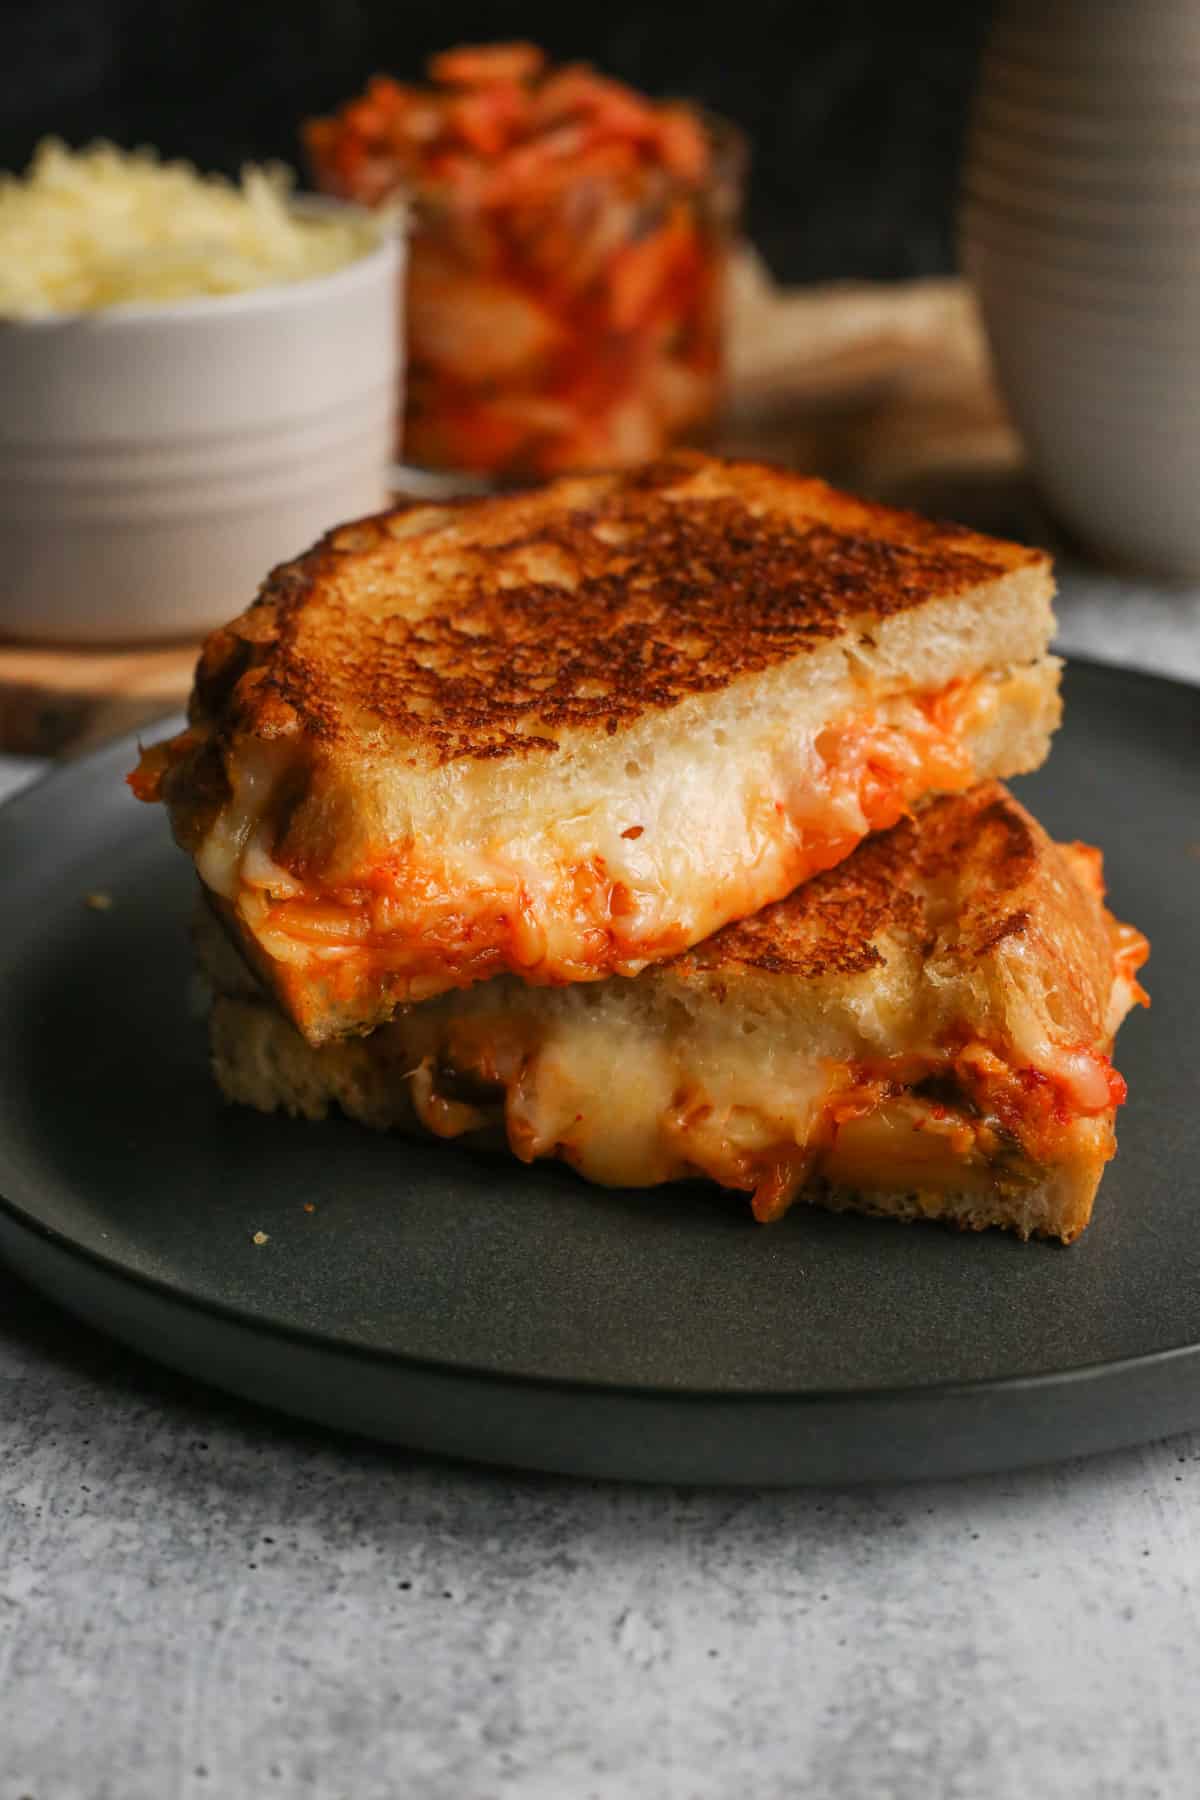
x: 197, y: 1600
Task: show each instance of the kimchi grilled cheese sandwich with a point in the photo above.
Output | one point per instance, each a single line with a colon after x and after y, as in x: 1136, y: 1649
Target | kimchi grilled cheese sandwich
x: 568, y: 733
x: 924, y: 1031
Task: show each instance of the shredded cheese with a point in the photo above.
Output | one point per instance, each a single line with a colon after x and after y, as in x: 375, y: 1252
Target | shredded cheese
x: 84, y: 231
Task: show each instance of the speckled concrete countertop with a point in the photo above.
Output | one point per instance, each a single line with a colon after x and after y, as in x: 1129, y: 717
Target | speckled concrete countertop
x: 198, y: 1600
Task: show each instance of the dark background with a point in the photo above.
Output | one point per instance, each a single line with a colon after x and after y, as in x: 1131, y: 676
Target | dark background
x: 856, y: 111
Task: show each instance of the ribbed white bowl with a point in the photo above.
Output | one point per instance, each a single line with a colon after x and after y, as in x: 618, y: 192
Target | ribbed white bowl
x: 1130, y: 323
x: 1095, y: 223
x: 1127, y: 350
x: 1080, y: 228
x: 1161, y: 181
x: 1069, y: 36
x: 1091, y: 112
x: 1152, y: 386
x: 1107, y: 266
x: 1088, y: 40
x: 157, y: 461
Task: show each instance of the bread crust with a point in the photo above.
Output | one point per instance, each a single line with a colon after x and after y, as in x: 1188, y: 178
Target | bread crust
x: 972, y: 885
x: 492, y: 628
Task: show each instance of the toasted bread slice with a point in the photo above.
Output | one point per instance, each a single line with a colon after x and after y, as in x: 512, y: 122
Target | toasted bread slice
x: 567, y: 733
x: 923, y: 1031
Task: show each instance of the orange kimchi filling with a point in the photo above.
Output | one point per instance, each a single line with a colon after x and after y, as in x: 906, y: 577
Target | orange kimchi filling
x: 975, y: 1110
x: 944, y: 1120
x: 417, y: 916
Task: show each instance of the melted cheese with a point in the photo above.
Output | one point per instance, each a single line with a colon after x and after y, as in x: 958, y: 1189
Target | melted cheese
x: 626, y: 1109
x: 629, y: 1110
x: 630, y: 1103
x: 631, y: 1092
x: 596, y: 894
x: 230, y: 859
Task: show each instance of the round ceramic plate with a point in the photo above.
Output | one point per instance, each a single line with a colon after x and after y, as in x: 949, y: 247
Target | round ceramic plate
x: 462, y: 1304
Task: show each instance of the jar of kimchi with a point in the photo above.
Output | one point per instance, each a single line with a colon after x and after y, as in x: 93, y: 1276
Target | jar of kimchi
x: 566, y: 265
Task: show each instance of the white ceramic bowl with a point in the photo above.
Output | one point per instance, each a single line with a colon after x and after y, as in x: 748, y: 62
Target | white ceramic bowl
x: 1164, y: 386
x: 1102, y: 174
x: 1070, y: 40
x: 1132, y: 320
x: 1116, y: 273
x: 1097, y: 36
x: 156, y: 461
x: 1123, y: 481
x: 1130, y: 330
x: 1087, y: 112
x: 1128, y: 226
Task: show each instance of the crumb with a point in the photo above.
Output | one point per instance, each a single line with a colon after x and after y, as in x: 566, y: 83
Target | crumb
x: 99, y: 901
x: 309, y: 1207
x: 260, y: 1237
x: 1193, y: 850
x: 634, y: 831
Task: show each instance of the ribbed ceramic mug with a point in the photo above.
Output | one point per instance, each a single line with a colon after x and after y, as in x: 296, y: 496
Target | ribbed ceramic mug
x: 1080, y: 228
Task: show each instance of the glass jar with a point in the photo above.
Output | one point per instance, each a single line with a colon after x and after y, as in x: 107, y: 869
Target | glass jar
x: 572, y: 328
x: 567, y: 257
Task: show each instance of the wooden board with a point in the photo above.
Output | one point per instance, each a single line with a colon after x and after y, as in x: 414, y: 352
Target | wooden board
x: 883, y: 388
x: 54, y: 700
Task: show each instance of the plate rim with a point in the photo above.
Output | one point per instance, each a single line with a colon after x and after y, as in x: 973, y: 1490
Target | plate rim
x: 312, y: 1339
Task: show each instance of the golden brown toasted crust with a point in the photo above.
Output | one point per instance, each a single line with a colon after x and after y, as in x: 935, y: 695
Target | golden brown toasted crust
x: 966, y: 873
x: 828, y: 926
x: 483, y: 631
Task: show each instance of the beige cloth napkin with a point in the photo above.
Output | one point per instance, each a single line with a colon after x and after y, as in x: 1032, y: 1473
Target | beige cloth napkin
x: 872, y: 386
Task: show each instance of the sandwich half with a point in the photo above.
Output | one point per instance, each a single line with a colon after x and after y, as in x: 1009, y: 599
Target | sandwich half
x: 568, y: 733
x: 923, y: 1031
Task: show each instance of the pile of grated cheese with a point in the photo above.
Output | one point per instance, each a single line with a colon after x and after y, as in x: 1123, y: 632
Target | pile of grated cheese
x: 89, y: 229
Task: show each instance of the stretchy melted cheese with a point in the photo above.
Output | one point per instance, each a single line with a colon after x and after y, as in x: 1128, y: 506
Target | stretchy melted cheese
x: 924, y: 1030
x: 598, y: 896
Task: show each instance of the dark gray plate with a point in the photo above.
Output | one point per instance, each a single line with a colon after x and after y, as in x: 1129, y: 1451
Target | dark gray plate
x: 463, y: 1305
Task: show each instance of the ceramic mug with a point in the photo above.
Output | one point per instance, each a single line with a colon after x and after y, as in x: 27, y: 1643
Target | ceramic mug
x: 1080, y: 229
